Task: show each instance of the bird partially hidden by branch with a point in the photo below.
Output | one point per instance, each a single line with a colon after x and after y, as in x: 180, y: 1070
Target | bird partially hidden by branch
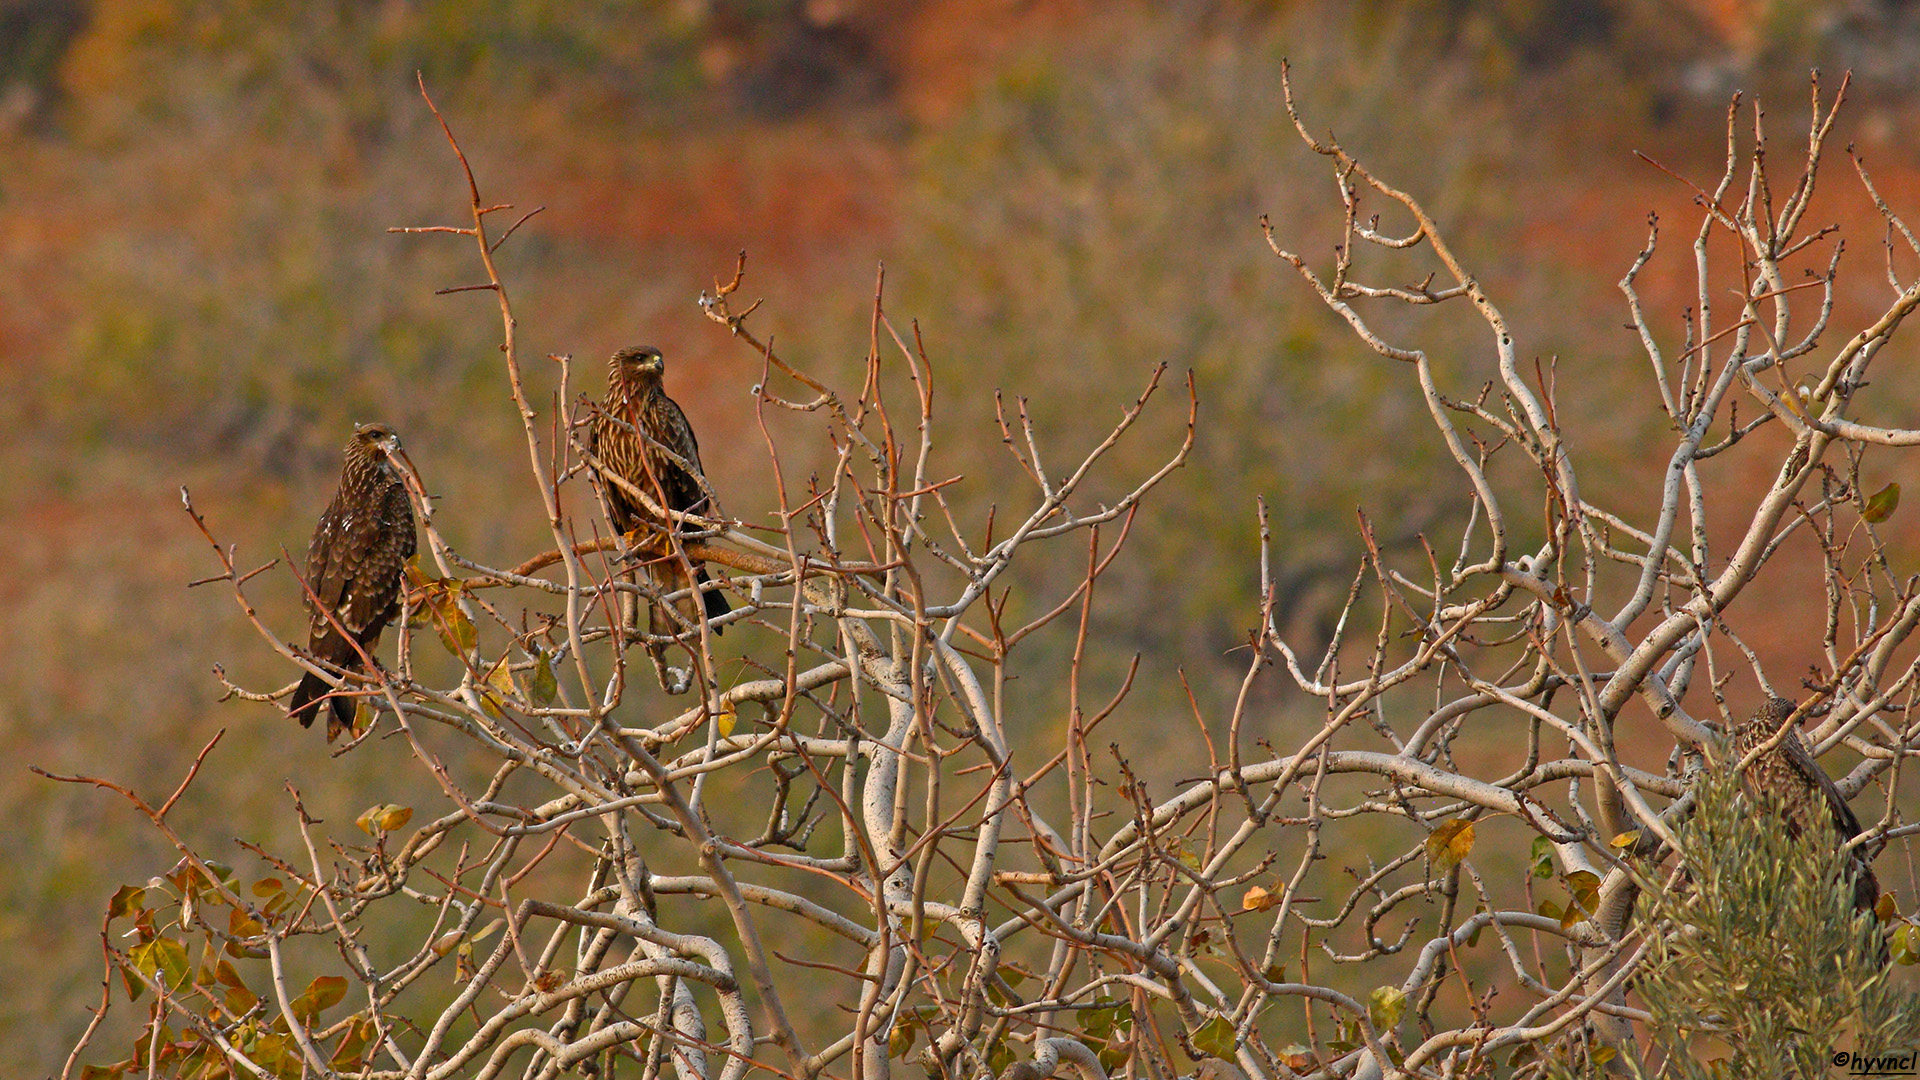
x: 641, y: 436
x: 356, y: 565
x: 1787, y: 778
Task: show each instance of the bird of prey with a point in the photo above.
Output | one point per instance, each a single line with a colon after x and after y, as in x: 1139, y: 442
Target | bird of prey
x: 641, y: 437
x: 1788, y: 778
x: 356, y: 566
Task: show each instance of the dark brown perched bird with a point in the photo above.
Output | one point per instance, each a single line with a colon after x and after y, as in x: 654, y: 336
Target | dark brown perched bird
x: 665, y: 464
x: 356, y: 566
x: 1788, y: 778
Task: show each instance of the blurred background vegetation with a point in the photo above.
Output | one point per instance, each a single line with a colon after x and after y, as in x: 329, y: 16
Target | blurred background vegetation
x: 1064, y: 193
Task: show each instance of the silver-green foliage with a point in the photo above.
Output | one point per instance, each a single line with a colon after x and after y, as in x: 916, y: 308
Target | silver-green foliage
x: 1761, y: 967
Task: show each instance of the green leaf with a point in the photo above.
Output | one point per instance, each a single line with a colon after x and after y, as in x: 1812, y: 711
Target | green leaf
x: 1882, y: 504
x: 999, y: 1056
x: 127, y: 900
x: 220, y: 870
x: 164, y: 960
x: 270, y: 1049
x: 247, y: 952
x: 1215, y: 1038
x: 1541, y: 859
x: 544, y: 688
x: 1385, y: 1006
x: 1098, y: 1023
x: 1449, y: 843
x: 172, y: 958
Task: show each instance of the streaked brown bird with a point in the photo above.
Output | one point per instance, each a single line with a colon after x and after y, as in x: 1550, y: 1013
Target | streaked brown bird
x: 1788, y: 778
x: 664, y: 464
x: 356, y: 567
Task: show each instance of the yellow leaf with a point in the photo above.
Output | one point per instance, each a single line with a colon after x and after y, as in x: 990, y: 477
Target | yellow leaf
x: 1258, y: 899
x: 1385, y: 1005
x: 1882, y: 504
x: 900, y: 1042
x: 1886, y: 909
x: 500, y: 689
x: 225, y: 975
x: 1903, y: 947
x: 1624, y: 840
x: 444, y: 944
x: 1449, y: 843
x: 1585, y: 887
x: 127, y: 900
x: 385, y: 818
x: 1795, y: 401
x: 457, y: 632
x: 427, y: 597
x: 323, y: 993
x: 240, y: 1000
x: 725, y: 719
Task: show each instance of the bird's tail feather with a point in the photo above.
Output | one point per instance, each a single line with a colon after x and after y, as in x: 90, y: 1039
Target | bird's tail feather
x: 714, y: 599
x: 312, y: 693
x: 306, y: 699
